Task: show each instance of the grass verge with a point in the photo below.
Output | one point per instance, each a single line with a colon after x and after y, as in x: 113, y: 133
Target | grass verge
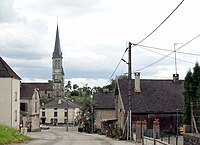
x: 10, y: 135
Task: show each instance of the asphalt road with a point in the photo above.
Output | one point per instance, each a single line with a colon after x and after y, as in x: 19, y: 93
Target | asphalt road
x: 59, y: 136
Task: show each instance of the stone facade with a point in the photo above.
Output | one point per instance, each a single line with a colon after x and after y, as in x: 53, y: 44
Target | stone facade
x: 101, y: 114
x: 30, y: 107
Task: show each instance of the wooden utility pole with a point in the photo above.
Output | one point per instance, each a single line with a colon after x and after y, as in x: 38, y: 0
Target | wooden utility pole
x: 129, y: 91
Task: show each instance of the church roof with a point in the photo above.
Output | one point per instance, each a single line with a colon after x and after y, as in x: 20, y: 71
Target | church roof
x: 57, y: 49
x: 6, y: 71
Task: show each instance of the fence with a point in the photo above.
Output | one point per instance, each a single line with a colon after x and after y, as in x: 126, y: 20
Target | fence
x: 163, y: 140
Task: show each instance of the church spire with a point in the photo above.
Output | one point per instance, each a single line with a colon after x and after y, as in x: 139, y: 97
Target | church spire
x: 57, y: 49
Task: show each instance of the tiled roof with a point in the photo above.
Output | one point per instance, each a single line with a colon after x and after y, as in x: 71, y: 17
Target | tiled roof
x: 40, y: 86
x: 6, y: 71
x: 62, y: 105
x: 156, y: 96
x: 104, y: 100
x: 26, y: 91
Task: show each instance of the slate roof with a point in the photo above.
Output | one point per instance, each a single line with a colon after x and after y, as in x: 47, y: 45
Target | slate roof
x: 104, y: 100
x: 6, y: 71
x: 26, y: 91
x: 156, y: 96
x: 40, y: 86
x: 57, y: 49
x: 62, y: 105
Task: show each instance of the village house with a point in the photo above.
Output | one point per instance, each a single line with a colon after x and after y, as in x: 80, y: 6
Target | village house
x: 58, y: 111
x: 151, y: 99
x: 29, y: 107
x: 10, y: 95
x: 104, y: 108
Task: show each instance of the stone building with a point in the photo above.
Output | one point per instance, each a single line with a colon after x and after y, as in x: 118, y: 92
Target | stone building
x: 151, y: 99
x: 30, y: 107
x: 104, y: 107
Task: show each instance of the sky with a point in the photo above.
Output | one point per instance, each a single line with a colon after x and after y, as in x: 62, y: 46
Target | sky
x: 94, y: 35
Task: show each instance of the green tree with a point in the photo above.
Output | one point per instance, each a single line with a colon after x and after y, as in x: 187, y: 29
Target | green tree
x: 191, y: 91
x: 75, y: 86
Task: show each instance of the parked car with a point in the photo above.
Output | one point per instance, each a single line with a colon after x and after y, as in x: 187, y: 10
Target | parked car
x: 43, y: 126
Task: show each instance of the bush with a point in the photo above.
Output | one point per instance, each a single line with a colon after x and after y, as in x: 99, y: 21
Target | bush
x: 114, y: 132
x: 98, y: 131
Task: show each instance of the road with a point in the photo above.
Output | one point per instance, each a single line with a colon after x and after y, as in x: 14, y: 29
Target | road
x: 58, y: 136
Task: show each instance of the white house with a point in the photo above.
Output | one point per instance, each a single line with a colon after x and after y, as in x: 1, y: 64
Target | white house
x: 58, y: 111
x: 9, y: 96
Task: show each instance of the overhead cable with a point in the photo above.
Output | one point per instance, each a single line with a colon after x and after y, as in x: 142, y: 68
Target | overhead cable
x: 168, y: 54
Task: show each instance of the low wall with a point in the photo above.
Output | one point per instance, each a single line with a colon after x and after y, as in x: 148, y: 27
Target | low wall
x: 191, y: 139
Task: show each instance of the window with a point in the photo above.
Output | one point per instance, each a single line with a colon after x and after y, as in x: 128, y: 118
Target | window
x: 55, y: 108
x: 55, y: 114
x: 43, y: 113
x: 24, y: 107
x: 43, y: 108
x: 15, y: 96
x: 65, y: 121
x: 15, y: 115
x: 65, y: 114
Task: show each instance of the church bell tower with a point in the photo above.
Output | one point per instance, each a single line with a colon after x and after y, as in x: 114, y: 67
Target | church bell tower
x: 57, y: 69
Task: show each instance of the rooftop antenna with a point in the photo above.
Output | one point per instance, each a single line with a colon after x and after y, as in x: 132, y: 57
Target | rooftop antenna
x: 175, y: 55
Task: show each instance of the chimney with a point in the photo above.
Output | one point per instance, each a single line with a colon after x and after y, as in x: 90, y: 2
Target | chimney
x: 137, y: 82
x: 175, y: 78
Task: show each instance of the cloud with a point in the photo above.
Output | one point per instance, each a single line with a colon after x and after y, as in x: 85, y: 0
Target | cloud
x: 8, y: 13
x: 68, y: 8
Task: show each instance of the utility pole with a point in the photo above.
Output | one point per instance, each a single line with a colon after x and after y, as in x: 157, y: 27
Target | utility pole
x: 129, y: 126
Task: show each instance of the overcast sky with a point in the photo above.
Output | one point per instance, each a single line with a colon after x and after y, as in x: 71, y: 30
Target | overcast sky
x: 94, y: 36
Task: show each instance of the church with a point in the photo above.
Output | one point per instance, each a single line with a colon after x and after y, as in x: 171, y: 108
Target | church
x: 57, y: 69
x: 59, y: 110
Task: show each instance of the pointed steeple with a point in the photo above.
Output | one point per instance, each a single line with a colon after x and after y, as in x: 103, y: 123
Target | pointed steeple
x: 57, y: 49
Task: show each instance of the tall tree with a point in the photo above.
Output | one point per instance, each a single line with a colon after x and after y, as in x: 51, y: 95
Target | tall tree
x: 191, y: 91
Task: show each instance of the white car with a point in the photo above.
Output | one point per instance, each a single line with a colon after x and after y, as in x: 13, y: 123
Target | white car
x: 43, y: 126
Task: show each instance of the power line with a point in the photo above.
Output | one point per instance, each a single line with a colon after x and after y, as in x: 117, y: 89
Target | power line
x: 145, y: 38
x: 188, y: 53
x: 116, y: 67
x: 168, y: 54
x: 151, y: 47
x: 161, y: 23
